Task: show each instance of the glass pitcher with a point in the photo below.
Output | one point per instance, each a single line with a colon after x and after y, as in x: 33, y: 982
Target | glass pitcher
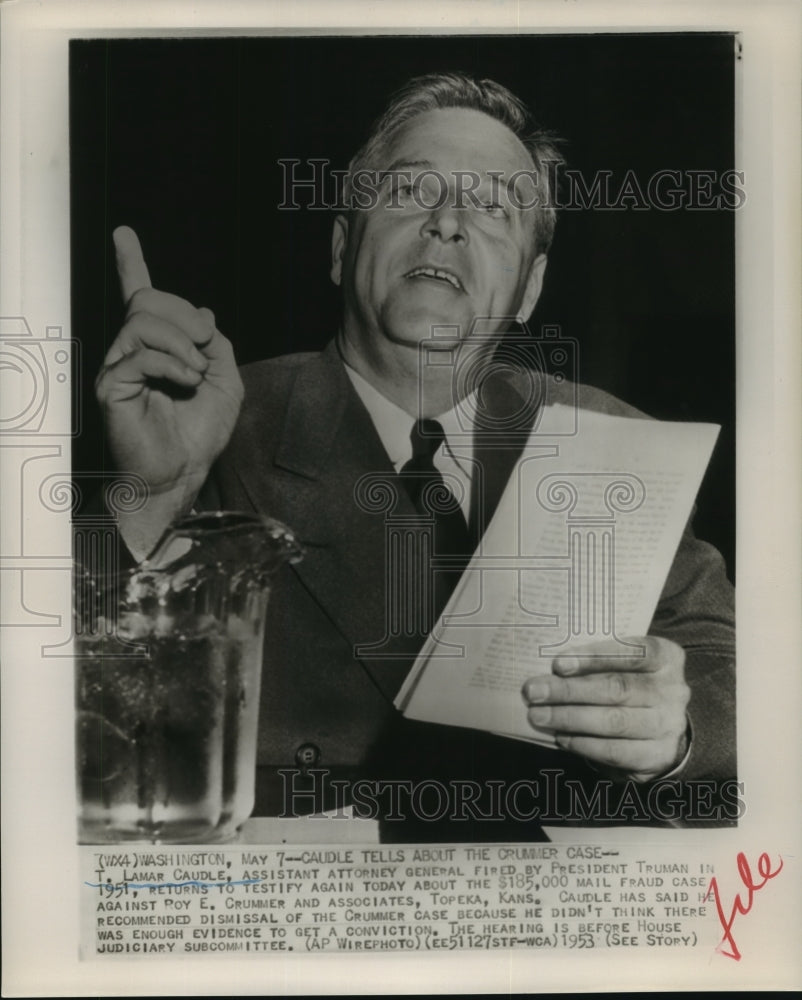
x: 168, y: 670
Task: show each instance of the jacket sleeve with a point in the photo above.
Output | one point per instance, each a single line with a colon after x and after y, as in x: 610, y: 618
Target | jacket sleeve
x: 697, y: 611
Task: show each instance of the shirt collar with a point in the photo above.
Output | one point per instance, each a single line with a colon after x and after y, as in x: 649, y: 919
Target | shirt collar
x: 394, y: 425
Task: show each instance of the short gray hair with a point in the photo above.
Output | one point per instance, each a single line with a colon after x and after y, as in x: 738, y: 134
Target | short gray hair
x: 458, y: 90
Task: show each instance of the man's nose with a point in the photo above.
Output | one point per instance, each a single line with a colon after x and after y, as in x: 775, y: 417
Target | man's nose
x: 447, y: 222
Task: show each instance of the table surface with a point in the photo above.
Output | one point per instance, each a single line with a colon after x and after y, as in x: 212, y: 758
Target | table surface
x: 347, y: 830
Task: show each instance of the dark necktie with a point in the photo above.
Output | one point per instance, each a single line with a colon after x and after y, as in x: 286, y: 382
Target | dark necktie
x: 440, y: 512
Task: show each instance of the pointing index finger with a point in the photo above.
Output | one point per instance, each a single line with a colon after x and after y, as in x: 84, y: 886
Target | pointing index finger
x: 131, y: 266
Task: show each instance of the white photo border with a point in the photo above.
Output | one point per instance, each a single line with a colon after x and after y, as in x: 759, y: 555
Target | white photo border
x: 40, y: 866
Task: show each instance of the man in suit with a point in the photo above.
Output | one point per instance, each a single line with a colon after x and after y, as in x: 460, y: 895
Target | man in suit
x: 449, y: 236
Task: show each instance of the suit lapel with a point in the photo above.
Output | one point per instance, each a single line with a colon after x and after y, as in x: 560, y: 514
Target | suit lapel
x: 503, y: 424
x: 327, y: 446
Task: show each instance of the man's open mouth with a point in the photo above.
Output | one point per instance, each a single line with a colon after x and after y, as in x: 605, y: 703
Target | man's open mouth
x: 436, y: 274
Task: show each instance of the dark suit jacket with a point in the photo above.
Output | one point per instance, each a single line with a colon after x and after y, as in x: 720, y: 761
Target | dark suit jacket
x: 302, y: 442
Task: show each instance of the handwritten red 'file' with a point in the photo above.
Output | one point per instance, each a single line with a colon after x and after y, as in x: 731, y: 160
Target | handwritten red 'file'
x: 739, y: 905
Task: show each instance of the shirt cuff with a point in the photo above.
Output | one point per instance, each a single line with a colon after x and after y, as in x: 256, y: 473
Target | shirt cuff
x: 678, y: 768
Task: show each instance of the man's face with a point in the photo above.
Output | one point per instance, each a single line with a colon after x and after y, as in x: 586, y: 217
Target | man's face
x: 479, y: 242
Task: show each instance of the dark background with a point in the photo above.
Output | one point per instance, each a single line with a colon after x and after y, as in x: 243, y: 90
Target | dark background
x: 180, y: 138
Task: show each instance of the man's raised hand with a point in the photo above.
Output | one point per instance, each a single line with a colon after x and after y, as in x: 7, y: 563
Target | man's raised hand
x: 169, y: 388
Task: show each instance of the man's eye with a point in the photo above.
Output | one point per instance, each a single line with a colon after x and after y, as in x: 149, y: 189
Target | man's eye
x: 404, y: 192
x: 494, y: 209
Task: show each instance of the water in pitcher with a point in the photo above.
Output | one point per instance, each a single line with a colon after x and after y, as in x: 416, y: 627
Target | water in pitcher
x: 167, y: 689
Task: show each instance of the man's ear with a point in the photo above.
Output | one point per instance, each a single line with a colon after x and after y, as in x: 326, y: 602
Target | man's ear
x: 339, y: 241
x: 534, y: 286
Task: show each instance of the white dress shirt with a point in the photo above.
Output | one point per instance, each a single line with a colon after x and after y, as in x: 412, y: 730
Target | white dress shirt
x: 394, y: 427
